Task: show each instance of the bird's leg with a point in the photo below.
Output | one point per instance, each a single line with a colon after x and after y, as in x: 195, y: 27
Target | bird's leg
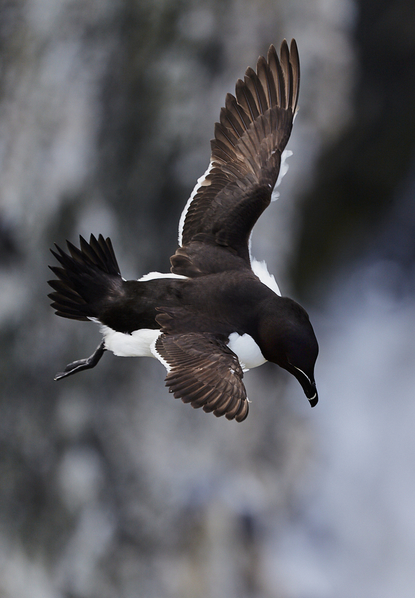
x: 83, y: 364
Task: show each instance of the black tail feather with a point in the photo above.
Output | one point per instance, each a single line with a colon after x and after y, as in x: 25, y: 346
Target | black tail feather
x: 86, y: 276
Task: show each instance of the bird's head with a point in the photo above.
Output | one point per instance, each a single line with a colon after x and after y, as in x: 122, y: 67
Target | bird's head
x: 288, y: 339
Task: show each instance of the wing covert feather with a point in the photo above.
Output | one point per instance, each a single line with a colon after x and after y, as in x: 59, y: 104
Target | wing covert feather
x: 204, y: 372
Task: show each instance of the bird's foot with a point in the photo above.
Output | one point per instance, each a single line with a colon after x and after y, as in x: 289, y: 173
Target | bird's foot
x: 82, y: 364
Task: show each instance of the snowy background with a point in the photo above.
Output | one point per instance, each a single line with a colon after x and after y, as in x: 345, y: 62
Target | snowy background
x: 108, y: 486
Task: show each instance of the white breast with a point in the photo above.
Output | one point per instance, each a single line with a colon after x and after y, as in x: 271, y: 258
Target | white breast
x: 248, y: 352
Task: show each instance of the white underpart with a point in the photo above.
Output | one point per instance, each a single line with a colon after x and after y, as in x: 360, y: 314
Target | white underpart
x: 136, y: 344
x: 283, y: 171
x: 142, y: 343
x: 247, y: 351
x: 260, y: 269
x: 201, y: 181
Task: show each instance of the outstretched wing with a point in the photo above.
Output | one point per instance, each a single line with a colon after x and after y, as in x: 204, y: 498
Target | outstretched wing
x: 253, y: 131
x: 204, y: 372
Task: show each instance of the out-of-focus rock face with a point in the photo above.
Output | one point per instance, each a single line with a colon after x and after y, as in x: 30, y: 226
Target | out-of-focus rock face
x: 108, y: 486
x: 362, y: 174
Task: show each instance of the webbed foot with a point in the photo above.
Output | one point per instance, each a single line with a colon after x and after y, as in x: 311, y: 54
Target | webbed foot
x: 82, y: 364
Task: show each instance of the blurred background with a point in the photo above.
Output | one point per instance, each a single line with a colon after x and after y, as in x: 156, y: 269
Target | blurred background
x: 108, y: 486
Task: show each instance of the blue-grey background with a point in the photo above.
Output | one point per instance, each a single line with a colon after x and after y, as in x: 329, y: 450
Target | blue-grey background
x: 108, y: 486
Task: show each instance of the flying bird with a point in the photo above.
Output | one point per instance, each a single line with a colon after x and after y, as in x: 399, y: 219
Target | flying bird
x: 218, y: 312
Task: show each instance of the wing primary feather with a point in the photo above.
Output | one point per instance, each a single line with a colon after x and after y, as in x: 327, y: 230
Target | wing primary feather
x: 224, y: 135
x: 276, y: 70
x: 267, y: 81
x: 228, y: 120
x: 233, y: 107
x: 295, y: 63
x: 245, y: 98
x: 254, y: 85
x: 286, y: 69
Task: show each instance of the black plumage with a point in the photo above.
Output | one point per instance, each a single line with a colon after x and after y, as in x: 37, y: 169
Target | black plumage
x: 212, y: 316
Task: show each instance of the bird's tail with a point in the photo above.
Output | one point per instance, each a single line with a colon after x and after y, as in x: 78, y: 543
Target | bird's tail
x: 85, y: 277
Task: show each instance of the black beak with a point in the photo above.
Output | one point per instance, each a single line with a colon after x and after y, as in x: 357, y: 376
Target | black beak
x: 310, y: 391
x: 308, y: 385
x: 309, y: 388
x: 313, y: 400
